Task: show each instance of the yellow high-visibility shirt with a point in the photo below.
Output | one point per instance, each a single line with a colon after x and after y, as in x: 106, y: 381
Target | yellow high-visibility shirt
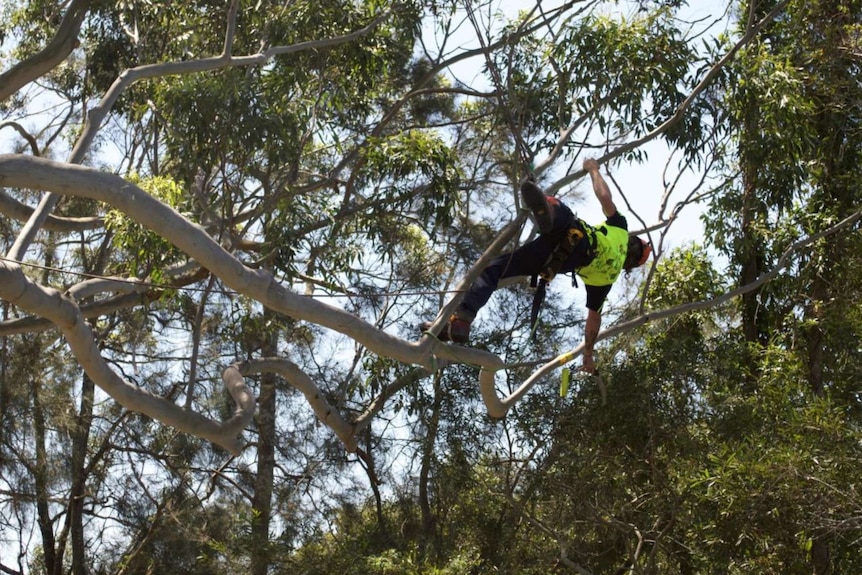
x: 611, y: 247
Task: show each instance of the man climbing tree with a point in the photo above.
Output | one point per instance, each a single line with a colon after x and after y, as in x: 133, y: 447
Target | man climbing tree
x: 566, y: 244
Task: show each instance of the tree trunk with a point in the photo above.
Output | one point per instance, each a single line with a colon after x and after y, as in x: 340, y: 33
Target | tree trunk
x: 263, y: 487
x: 40, y: 472
x: 428, y: 519
x: 751, y: 258
x: 367, y: 457
x: 820, y: 557
x: 814, y: 336
x: 79, y: 478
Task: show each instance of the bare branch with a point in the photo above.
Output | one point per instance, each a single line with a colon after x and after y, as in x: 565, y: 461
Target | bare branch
x: 16, y: 288
x: 299, y: 379
x: 12, y: 208
x: 39, y: 64
x: 227, y: 50
x: 127, y: 293
x: 31, y: 141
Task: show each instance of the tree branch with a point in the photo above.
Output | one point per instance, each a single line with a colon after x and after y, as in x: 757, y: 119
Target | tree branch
x: 31, y: 141
x: 130, y: 76
x: 16, y: 288
x: 325, y: 412
x: 39, y: 64
x: 69, y: 179
x: 127, y: 292
x: 14, y: 209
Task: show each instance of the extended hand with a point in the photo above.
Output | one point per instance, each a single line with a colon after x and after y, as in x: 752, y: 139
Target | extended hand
x: 590, y: 165
x: 589, y: 365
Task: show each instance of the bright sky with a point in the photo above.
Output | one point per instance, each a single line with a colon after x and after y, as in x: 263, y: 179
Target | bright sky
x: 644, y: 184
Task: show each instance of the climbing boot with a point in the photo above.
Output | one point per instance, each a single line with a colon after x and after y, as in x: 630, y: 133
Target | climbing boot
x: 534, y: 198
x: 457, y: 329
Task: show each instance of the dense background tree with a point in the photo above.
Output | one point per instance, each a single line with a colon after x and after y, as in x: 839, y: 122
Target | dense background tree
x: 222, y: 222
x: 793, y: 104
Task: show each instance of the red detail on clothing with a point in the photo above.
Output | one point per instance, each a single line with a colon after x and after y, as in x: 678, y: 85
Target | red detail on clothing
x: 647, y: 250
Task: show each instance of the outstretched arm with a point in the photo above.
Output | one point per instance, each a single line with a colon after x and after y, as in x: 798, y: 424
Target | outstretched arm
x: 600, y: 187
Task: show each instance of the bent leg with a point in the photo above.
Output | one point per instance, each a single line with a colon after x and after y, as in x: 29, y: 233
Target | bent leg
x: 525, y: 261
x: 562, y: 216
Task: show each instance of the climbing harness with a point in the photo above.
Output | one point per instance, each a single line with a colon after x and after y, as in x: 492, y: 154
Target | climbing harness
x: 577, y: 231
x: 569, y: 240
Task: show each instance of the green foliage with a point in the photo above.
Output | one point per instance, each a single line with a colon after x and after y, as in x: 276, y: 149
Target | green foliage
x: 419, y: 264
x: 685, y: 275
x: 790, y: 103
x: 388, y: 562
x: 642, y: 56
x: 771, y: 91
x: 765, y: 491
x: 191, y: 539
x: 416, y: 156
x: 347, y: 77
x: 626, y: 76
x: 469, y: 529
x: 716, y: 482
x: 34, y: 21
x: 147, y: 253
x: 221, y: 115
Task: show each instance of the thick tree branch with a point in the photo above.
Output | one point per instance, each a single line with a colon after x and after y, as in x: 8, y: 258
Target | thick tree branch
x: 12, y: 208
x: 39, y: 64
x: 88, y: 311
x: 125, y: 293
x: 128, y: 77
x: 68, y: 179
x: 58, y: 178
x: 16, y: 288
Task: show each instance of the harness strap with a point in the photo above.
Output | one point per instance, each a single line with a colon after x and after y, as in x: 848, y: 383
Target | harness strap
x: 564, y: 248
